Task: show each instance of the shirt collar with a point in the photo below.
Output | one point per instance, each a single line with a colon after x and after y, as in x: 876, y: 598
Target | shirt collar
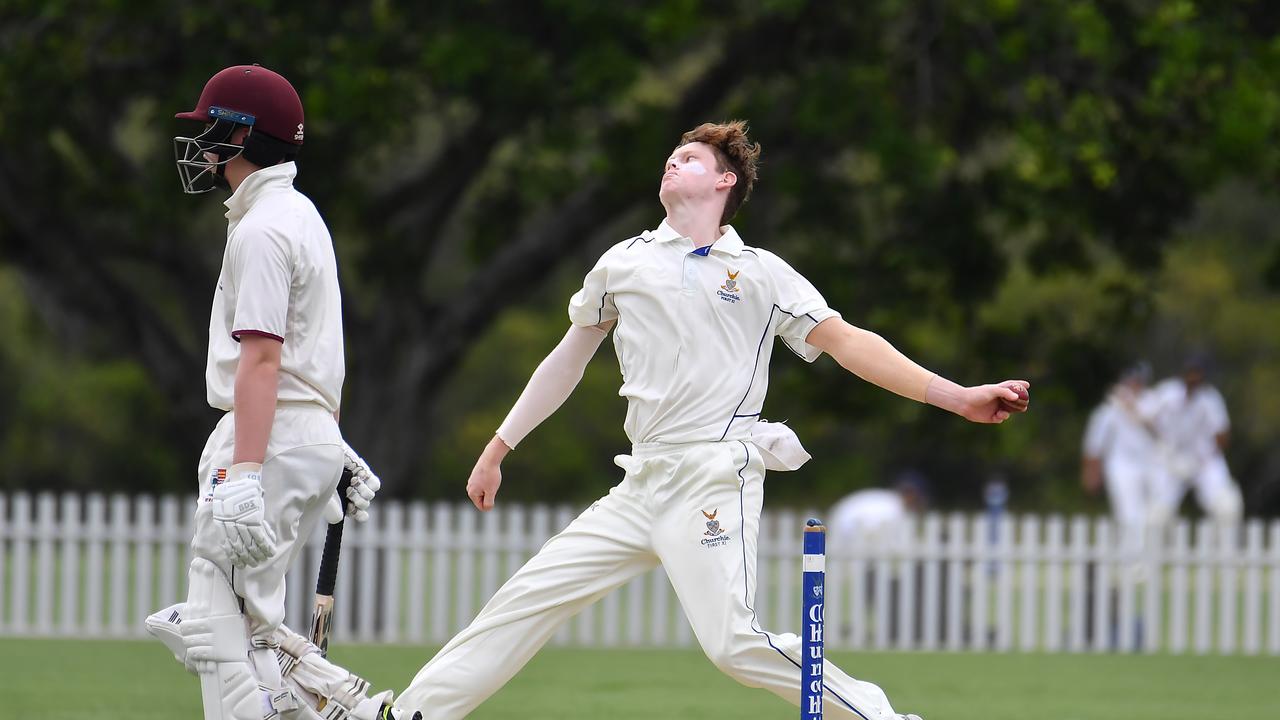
x: 259, y: 183
x: 729, y: 241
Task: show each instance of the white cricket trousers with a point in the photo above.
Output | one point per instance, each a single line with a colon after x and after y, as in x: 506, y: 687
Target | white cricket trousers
x: 1216, y: 492
x: 695, y: 509
x: 303, y: 463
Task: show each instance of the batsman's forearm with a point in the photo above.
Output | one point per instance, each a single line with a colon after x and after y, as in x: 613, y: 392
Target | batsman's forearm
x: 875, y: 360
x: 255, y: 409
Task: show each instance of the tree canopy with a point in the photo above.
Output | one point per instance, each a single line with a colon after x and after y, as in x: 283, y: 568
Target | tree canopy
x: 1044, y: 190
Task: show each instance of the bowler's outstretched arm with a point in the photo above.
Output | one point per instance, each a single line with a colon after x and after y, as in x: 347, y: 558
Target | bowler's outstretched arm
x: 875, y: 360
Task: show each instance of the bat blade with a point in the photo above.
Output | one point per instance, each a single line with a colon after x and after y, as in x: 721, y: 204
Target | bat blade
x: 322, y: 623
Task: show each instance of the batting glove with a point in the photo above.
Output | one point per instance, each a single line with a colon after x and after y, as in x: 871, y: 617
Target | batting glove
x: 364, y: 485
x: 238, y: 508
x: 333, y: 510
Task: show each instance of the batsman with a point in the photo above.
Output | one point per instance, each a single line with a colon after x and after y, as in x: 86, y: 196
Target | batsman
x: 275, y: 368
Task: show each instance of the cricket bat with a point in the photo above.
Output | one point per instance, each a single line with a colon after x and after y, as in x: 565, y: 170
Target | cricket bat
x: 322, y: 615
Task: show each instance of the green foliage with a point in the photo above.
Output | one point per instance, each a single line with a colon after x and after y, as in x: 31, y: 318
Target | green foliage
x: 995, y: 186
x: 71, y: 421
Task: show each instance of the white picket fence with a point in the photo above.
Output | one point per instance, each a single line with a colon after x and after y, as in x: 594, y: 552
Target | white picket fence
x: 95, y: 566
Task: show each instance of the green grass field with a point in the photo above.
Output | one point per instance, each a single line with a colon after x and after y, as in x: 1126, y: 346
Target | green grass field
x: 105, y: 680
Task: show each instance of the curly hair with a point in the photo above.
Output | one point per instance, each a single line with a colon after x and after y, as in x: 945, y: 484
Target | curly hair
x: 735, y: 152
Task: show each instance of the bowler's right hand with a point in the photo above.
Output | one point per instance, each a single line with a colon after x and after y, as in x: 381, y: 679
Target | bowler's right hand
x: 482, y: 486
x: 486, y: 476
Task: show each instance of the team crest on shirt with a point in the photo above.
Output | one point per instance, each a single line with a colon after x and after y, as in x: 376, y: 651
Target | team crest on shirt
x: 715, y: 535
x: 730, y: 291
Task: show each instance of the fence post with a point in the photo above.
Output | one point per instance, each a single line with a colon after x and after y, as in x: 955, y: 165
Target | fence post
x: 785, y: 548
x: 931, y: 554
x: 904, y: 547
x: 490, y: 542
x: 1152, y: 593
x: 441, y: 560
x: 1125, y: 550
x: 95, y: 539
x: 170, y: 540
x: 46, y: 534
x: 1005, y: 619
x: 1079, y: 554
x: 1204, y: 586
x: 6, y: 531
x: 1029, y: 542
x: 979, y: 623
x: 1054, y: 628
x: 1226, y: 558
x: 1273, y: 622
x: 1253, y: 588
x: 1179, y: 560
x: 955, y: 553
x: 19, y: 622
x: 1101, y: 586
x: 417, y: 592
x: 367, y: 538
x: 144, y: 536
x: 70, y: 583
x: 118, y: 599
x: 391, y: 544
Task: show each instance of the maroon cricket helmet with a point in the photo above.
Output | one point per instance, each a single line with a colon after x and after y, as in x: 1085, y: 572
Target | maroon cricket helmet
x: 255, y: 96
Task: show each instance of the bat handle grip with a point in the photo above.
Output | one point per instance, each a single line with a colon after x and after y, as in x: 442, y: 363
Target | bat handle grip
x: 328, y: 576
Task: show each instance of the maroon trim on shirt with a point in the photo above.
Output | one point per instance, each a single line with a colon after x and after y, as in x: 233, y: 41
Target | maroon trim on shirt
x: 235, y: 335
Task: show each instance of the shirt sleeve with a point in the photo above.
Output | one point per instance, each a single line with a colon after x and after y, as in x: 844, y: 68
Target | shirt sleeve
x: 1216, y: 411
x: 1097, y: 431
x: 800, y: 307
x: 1150, y: 405
x: 593, y: 304
x: 264, y: 275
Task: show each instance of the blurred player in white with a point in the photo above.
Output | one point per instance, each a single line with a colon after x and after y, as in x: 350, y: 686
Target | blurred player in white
x: 694, y: 311
x: 875, y: 516
x: 1121, y: 454
x: 1191, y: 418
x: 275, y: 368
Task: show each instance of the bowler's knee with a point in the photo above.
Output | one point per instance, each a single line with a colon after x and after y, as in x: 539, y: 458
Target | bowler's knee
x: 737, y: 657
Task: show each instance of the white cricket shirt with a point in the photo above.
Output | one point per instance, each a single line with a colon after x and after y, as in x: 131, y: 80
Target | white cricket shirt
x: 695, y: 330
x: 279, y: 279
x: 1116, y: 431
x: 1189, y: 423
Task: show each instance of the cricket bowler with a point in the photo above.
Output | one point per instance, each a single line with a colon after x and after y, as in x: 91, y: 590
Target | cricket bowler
x: 693, y: 310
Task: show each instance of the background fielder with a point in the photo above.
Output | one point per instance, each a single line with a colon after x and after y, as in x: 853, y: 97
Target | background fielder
x: 1120, y: 453
x: 693, y: 310
x: 1191, y: 419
